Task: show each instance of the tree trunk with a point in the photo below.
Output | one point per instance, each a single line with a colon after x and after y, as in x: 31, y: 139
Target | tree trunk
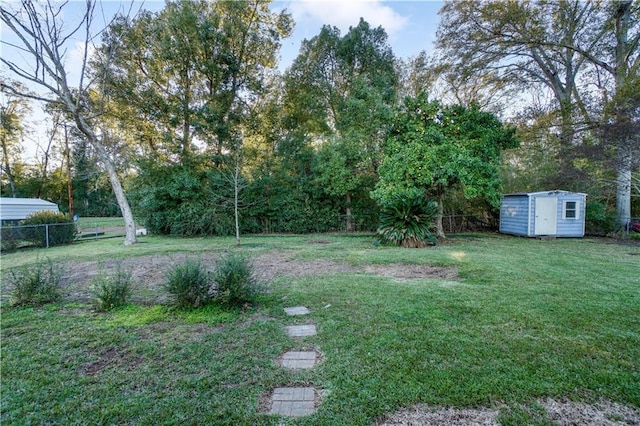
x: 439, y: 227
x: 7, y: 169
x: 69, y: 176
x: 348, y: 214
x: 123, y: 203
x: 622, y: 19
x: 623, y: 190
x: 103, y: 155
x: 236, y: 192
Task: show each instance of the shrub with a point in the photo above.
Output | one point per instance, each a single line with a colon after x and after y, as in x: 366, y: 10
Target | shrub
x: 405, y: 220
x: 9, y: 238
x: 62, y: 230
x: 112, y: 291
x: 599, y: 219
x: 36, y: 284
x: 189, y: 284
x: 234, y: 280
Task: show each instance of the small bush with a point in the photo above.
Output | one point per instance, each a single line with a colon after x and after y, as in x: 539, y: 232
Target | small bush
x: 112, y: 291
x: 36, y: 284
x: 62, y: 229
x: 405, y: 220
x: 9, y: 238
x: 189, y: 284
x: 599, y: 219
x: 234, y: 280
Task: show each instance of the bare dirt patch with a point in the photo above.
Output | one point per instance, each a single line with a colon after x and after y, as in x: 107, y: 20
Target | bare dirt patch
x: 149, y: 272
x: 428, y: 415
x: 604, y: 413
x: 564, y: 412
x: 399, y: 270
x: 112, y: 357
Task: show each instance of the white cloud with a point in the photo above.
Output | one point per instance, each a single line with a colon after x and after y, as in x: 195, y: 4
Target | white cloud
x: 346, y: 13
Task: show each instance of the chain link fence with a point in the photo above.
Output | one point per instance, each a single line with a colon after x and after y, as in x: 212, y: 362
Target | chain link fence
x: 45, y: 235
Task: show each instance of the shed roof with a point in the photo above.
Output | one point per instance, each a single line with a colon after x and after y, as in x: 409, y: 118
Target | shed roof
x: 25, y: 202
x: 529, y: 194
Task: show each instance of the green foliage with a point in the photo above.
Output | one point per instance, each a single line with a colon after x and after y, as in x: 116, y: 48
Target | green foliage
x: 62, y: 229
x: 599, y: 218
x: 347, y: 109
x: 112, y: 291
x: 444, y: 147
x: 36, y: 284
x: 189, y: 284
x: 9, y: 238
x: 178, y: 73
x: 405, y: 220
x: 184, y: 200
x: 235, y: 282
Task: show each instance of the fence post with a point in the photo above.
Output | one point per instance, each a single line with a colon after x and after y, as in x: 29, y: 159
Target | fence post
x: 46, y: 227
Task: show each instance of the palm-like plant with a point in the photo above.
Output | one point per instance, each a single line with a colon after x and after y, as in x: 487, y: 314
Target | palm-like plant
x: 406, y: 219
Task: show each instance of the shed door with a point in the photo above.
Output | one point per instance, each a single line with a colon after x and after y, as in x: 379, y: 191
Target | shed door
x: 546, y: 216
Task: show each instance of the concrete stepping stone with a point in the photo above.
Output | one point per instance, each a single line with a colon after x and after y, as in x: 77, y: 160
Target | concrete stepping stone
x: 298, y: 359
x: 301, y: 330
x: 293, y: 402
x: 297, y: 310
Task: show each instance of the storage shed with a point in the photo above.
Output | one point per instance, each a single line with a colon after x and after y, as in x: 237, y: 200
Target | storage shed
x: 15, y: 209
x: 545, y: 213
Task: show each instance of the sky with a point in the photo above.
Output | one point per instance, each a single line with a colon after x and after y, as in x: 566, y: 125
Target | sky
x: 410, y: 25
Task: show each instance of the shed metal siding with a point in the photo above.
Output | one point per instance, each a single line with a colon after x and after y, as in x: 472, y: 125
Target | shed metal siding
x: 514, y: 214
x: 517, y: 213
x: 571, y: 227
x: 15, y: 209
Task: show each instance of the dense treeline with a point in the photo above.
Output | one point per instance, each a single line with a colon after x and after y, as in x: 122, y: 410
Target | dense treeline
x: 208, y: 138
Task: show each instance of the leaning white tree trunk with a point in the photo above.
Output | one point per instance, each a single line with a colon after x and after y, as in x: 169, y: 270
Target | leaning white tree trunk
x: 114, y: 179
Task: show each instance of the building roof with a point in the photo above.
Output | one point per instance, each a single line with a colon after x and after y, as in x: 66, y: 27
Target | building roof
x: 25, y: 201
x: 528, y: 194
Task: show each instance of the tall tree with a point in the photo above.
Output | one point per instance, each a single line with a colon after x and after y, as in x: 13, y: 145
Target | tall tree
x: 344, y: 88
x: 43, y: 37
x: 440, y: 149
x: 521, y: 43
x: 568, y: 47
x: 622, y: 126
x: 187, y: 73
x: 185, y: 81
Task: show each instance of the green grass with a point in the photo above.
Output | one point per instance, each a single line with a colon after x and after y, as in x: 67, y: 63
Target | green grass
x: 100, y: 222
x: 527, y: 319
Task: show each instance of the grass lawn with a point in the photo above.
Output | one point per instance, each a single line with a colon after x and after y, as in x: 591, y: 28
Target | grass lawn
x: 524, y: 320
x: 100, y: 222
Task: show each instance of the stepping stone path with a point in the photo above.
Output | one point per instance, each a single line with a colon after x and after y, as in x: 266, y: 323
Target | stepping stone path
x: 296, y: 401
